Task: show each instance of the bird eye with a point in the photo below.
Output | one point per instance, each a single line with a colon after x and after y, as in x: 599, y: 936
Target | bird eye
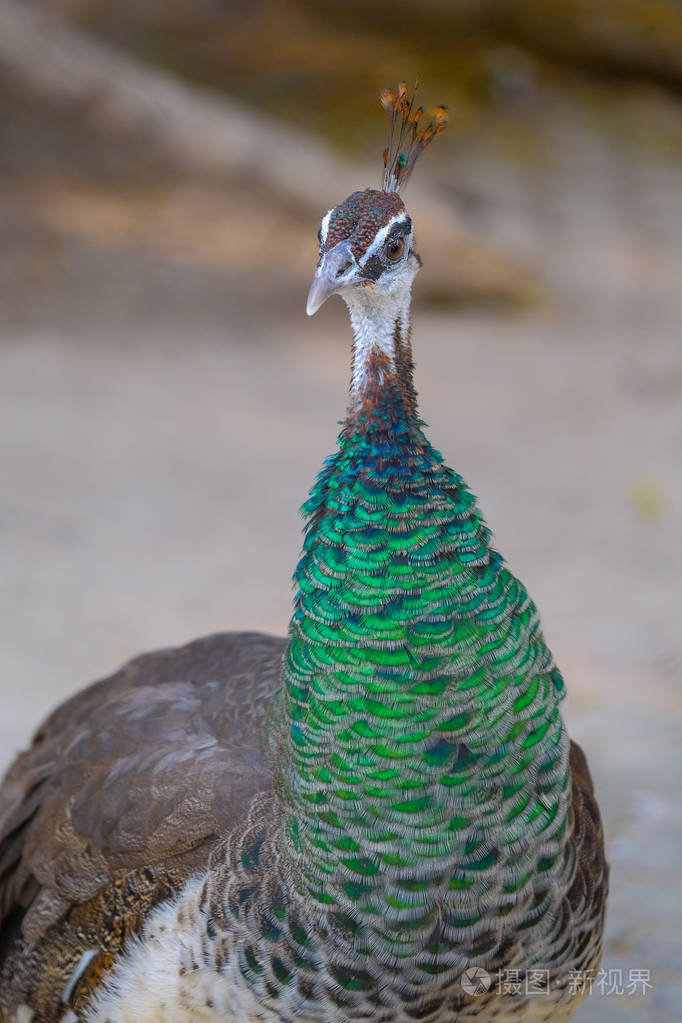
x: 395, y: 248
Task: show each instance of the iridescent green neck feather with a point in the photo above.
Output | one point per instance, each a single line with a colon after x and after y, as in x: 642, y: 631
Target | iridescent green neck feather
x: 426, y: 779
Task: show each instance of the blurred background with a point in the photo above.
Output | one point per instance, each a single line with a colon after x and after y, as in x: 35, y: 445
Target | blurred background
x: 165, y: 403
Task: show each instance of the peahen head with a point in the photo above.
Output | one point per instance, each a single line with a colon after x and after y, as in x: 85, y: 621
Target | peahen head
x: 367, y: 242
x: 367, y: 249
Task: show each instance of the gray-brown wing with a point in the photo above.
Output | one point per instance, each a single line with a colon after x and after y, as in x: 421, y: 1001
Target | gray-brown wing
x: 134, y: 778
x: 588, y: 892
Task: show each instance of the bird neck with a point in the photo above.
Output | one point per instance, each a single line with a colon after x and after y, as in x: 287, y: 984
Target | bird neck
x: 382, y: 351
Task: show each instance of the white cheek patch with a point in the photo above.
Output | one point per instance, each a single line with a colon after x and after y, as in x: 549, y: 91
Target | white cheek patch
x: 382, y: 235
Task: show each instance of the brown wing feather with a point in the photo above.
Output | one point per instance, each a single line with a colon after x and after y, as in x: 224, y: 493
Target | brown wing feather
x: 125, y: 789
x: 588, y: 892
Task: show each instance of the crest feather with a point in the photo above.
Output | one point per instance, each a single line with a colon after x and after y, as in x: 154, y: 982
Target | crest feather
x: 409, y: 134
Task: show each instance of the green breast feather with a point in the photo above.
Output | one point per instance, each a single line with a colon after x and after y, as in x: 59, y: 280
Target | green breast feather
x: 426, y: 778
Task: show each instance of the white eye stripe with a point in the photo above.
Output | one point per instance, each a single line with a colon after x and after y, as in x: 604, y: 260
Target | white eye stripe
x: 324, y: 226
x: 382, y: 235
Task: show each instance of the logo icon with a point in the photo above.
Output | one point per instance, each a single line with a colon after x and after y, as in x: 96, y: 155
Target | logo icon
x: 475, y: 980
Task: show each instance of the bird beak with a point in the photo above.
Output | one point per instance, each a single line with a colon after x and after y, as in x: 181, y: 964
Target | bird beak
x: 335, y: 271
x: 320, y: 290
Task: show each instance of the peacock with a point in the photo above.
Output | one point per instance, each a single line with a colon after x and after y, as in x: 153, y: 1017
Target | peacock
x: 381, y: 817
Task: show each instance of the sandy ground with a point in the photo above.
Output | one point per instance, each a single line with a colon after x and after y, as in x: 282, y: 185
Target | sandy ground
x: 161, y: 419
